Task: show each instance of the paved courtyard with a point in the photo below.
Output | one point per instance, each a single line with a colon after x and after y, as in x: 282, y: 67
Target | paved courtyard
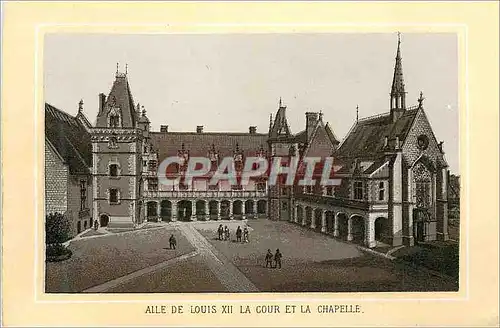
x: 316, y: 262
x: 140, y: 262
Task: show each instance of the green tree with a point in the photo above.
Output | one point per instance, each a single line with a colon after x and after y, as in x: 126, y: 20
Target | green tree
x: 57, y: 229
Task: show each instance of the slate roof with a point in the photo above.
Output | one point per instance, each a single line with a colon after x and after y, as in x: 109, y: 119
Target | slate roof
x: 70, y: 139
x: 366, y: 139
x: 119, y: 96
x: 200, y: 144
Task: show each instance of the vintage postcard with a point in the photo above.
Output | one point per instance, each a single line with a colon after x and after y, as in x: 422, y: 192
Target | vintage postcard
x: 236, y: 172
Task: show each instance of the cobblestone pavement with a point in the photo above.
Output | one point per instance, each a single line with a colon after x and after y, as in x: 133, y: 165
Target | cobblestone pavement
x: 228, y: 274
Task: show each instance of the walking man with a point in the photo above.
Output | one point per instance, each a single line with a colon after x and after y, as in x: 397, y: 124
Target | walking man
x: 277, y: 259
x: 220, y: 231
x: 173, y: 242
x: 226, y: 233
x: 269, y: 259
x: 238, y: 234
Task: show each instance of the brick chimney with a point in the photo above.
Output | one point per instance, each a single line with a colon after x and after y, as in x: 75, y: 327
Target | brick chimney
x: 252, y: 130
x: 199, y: 129
x: 102, y: 101
x: 163, y: 128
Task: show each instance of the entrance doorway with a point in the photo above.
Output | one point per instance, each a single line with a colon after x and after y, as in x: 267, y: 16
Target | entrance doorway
x: 104, y: 220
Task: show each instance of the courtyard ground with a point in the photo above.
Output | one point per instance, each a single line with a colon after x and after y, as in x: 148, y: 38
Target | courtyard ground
x: 100, y: 259
x: 140, y: 262
x: 316, y: 262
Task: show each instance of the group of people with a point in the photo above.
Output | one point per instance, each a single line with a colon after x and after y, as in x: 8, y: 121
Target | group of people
x: 277, y: 259
x: 241, y: 235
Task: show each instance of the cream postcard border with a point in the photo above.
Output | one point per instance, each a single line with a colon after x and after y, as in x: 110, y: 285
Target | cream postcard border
x: 423, y: 308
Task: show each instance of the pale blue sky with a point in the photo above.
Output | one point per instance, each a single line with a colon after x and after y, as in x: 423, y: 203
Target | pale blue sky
x: 228, y: 82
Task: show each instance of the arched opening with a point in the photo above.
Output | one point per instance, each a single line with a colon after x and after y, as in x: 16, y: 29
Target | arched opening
x: 381, y: 225
x: 152, y: 213
x: 317, y: 219
x: 200, y: 210
x: 238, y: 209
x: 104, y: 220
x: 343, y: 225
x: 261, y: 208
x: 329, y: 222
x: 79, y: 227
x: 249, y: 209
x: 309, y: 216
x: 224, y: 209
x: 358, y: 229
x: 166, y: 210
x: 300, y: 214
x: 214, y: 209
x: 184, y: 210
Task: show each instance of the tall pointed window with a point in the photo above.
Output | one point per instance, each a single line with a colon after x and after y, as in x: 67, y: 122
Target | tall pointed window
x: 381, y: 191
x: 114, y: 121
x: 358, y: 190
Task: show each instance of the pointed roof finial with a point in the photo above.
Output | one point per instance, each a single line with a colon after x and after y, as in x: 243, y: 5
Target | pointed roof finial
x: 80, y: 106
x: 117, y: 67
x: 357, y: 113
x: 143, y: 111
x: 320, y: 115
x: 281, y: 103
x: 126, y: 69
x: 421, y: 100
x: 399, y: 37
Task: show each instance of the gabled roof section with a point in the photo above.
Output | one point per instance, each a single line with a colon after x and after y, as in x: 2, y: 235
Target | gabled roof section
x: 280, y: 127
x: 367, y: 138
x: 321, y: 142
x: 70, y: 139
x: 120, y: 97
x: 331, y: 135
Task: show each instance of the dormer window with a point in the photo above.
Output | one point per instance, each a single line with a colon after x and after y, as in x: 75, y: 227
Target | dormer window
x: 114, y: 121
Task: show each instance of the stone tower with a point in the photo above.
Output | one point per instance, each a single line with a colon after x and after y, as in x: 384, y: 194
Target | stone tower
x: 281, y: 144
x: 117, y: 158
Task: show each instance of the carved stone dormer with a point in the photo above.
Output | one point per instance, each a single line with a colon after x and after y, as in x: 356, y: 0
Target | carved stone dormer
x: 213, y: 154
x: 184, y: 155
x: 238, y: 158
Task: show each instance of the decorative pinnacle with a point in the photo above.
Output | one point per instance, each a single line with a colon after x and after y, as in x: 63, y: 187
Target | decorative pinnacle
x: 117, y: 67
x: 421, y: 99
x: 357, y: 112
x: 80, y: 105
x: 126, y: 69
x: 320, y: 115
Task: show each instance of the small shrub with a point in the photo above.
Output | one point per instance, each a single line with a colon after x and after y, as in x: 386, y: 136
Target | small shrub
x: 57, y: 229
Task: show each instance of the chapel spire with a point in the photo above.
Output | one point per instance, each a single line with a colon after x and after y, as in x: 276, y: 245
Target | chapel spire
x: 398, y: 93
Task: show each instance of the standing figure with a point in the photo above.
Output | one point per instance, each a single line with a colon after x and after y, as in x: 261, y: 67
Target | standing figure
x: 238, y: 234
x: 245, y: 235
x: 226, y: 233
x: 220, y: 231
x: 172, y: 241
x: 269, y: 259
x: 277, y: 259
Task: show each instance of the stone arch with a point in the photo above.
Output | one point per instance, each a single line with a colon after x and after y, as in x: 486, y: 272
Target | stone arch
x: 103, y: 220
x: 249, y: 208
x: 343, y: 225
x: 225, y: 209
x: 166, y: 210
x: 184, y: 210
x: 381, y: 228
x: 317, y: 213
x: 300, y: 214
x: 152, y: 209
x: 238, y: 209
x: 309, y: 215
x: 200, y: 209
x: 357, y: 228
x: 213, y: 208
x: 261, y: 207
x: 330, y: 222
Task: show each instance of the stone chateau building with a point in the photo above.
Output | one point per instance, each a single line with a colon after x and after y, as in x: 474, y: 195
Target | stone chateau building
x: 392, y: 168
